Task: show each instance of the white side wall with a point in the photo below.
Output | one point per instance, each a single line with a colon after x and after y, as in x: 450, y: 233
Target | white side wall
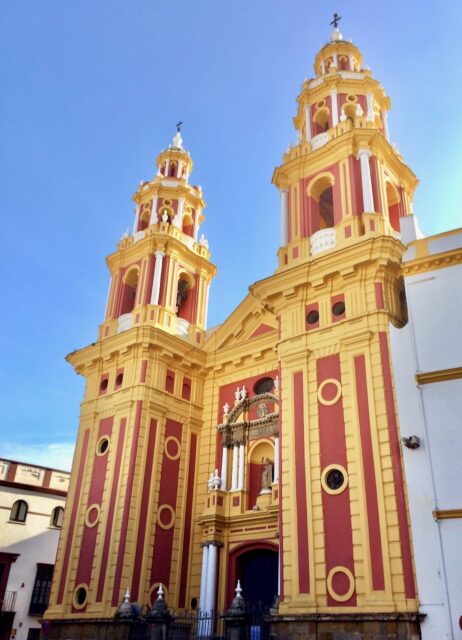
x: 431, y: 341
x: 35, y: 541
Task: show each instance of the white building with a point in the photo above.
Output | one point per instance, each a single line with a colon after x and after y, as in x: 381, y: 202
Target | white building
x: 32, y: 502
x: 427, y: 358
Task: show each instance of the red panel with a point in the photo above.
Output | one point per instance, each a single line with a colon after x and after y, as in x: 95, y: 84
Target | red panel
x: 95, y: 496
x: 375, y: 184
x: 170, y: 381
x: 379, y: 301
x: 186, y: 389
x: 111, y: 509
x: 75, y: 506
x: 336, y: 508
x: 261, y: 329
x: 116, y: 593
x: 338, y: 298
x: 163, y: 280
x: 311, y: 307
x: 163, y: 541
x: 375, y: 542
x: 356, y: 187
x: 145, y: 501
x: 188, y: 520
x: 398, y: 474
x: 149, y: 279
x: 254, y: 483
x: 300, y: 481
x: 289, y: 215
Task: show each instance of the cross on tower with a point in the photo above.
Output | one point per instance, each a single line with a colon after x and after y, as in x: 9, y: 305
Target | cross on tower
x: 178, y: 125
x: 336, y: 20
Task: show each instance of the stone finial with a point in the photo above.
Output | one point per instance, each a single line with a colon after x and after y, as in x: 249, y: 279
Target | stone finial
x: 225, y: 409
x: 359, y: 110
x: 238, y: 603
x: 243, y: 392
x: 277, y: 383
x: 237, y: 394
x: 165, y: 216
x: 159, y: 608
x: 177, y: 142
x: 125, y: 608
x: 160, y: 592
x: 215, y: 480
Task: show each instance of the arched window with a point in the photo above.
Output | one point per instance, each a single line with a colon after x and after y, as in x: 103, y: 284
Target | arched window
x: 393, y: 201
x: 185, y: 297
x: 188, y: 225
x: 342, y: 63
x: 130, y: 285
x: 19, y: 511
x: 322, y: 203
x: 57, y: 516
x: 321, y: 120
x: 172, y: 169
x: 145, y: 217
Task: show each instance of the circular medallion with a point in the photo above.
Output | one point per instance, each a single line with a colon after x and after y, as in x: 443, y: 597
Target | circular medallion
x: 172, y: 448
x: 165, y: 516
x: 329, y: 391
x: 340, y: 584
x: 92, y: 515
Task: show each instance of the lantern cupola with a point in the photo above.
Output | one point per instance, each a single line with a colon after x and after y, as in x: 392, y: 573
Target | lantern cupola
x: 161, y: 272
x: 343, y: 179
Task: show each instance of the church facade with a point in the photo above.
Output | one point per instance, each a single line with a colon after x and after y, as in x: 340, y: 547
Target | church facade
x: 268, y: 449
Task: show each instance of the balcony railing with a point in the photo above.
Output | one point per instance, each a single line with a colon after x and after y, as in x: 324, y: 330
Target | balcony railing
x: 124, y: 322
x: 322, y: 240
x: 320, y: 140
x: 182, y: 327
x: 8, y: 602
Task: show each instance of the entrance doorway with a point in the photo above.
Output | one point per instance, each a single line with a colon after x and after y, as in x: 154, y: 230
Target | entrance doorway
x: 257, y: 569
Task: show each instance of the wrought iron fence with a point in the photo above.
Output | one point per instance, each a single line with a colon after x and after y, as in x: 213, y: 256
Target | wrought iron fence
x: 199, y: 625
x: 8, y: 602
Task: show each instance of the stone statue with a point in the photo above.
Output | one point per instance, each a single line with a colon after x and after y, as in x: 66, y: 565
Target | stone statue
x: 266, y: 473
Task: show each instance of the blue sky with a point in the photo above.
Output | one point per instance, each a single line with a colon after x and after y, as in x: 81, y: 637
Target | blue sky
x: 91, y: 92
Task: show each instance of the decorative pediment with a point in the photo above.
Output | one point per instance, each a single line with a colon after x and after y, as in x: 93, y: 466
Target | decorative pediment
x: 239, y: 426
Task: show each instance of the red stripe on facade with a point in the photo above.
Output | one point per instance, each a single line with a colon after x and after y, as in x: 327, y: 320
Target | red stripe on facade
x: 95, y: 497
x: 409, y: 586
x: 75, y: 506
x: 375, y: 540
x: 338, y: 536
x: 149, y: 279
x: 163, y: 280
x: 188, y: 520
x: 280, y: 528
x: 163, y: 541
x: 145, y: 501
x: 111, y: 509
x: 300, y: 485
x: 143, y: 371
x: 379, y: 301
x: 116, y: 595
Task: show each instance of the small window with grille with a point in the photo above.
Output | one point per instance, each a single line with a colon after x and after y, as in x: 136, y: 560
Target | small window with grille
x: 41, y: 590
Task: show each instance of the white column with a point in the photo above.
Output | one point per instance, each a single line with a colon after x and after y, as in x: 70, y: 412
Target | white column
x: 157, y: 275
x: 167, y: 163
x: 335, y: 60
x: 334, y: 104
x: 368, y: 199
x: 284, y: 193
x: 240, y: 484
x: 234, y: 467
x: 205, y: 558
x: 211, y: 577
x: 137, y: 219
x: 178, y: 219
x: 352, y: 64
x: 196, y: 224
x: 153, y: 210
x: 276, y: 459
x: 323, y: 67
x: 178, y: 171
x: 385, y: 125
x: 308, y: 123
x: 370, y: 106
x: 224, y: 468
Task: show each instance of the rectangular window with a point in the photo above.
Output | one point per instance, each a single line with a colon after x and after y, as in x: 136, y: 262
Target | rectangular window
x: 33, y: 634
x: 41, y: 591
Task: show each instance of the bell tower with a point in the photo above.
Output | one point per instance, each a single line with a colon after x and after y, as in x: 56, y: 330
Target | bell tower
x: 128, y: 516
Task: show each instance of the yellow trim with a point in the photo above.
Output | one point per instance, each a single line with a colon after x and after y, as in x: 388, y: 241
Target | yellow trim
x: 330, y: 589
x: 327, y: 489
x: 441, y: 375
x: 447, y: 514
x: 336, y: 384
x: 432, y: 262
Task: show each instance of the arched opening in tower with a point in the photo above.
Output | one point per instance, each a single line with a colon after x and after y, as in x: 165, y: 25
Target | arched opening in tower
x: 172, y: 169
x: 188, y: 225
x: 326, y: 209
x: 144, y: 218
x: 129, y: 288
x: 185, y: 297
x: 393, y: 201
x: 321, y: 120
